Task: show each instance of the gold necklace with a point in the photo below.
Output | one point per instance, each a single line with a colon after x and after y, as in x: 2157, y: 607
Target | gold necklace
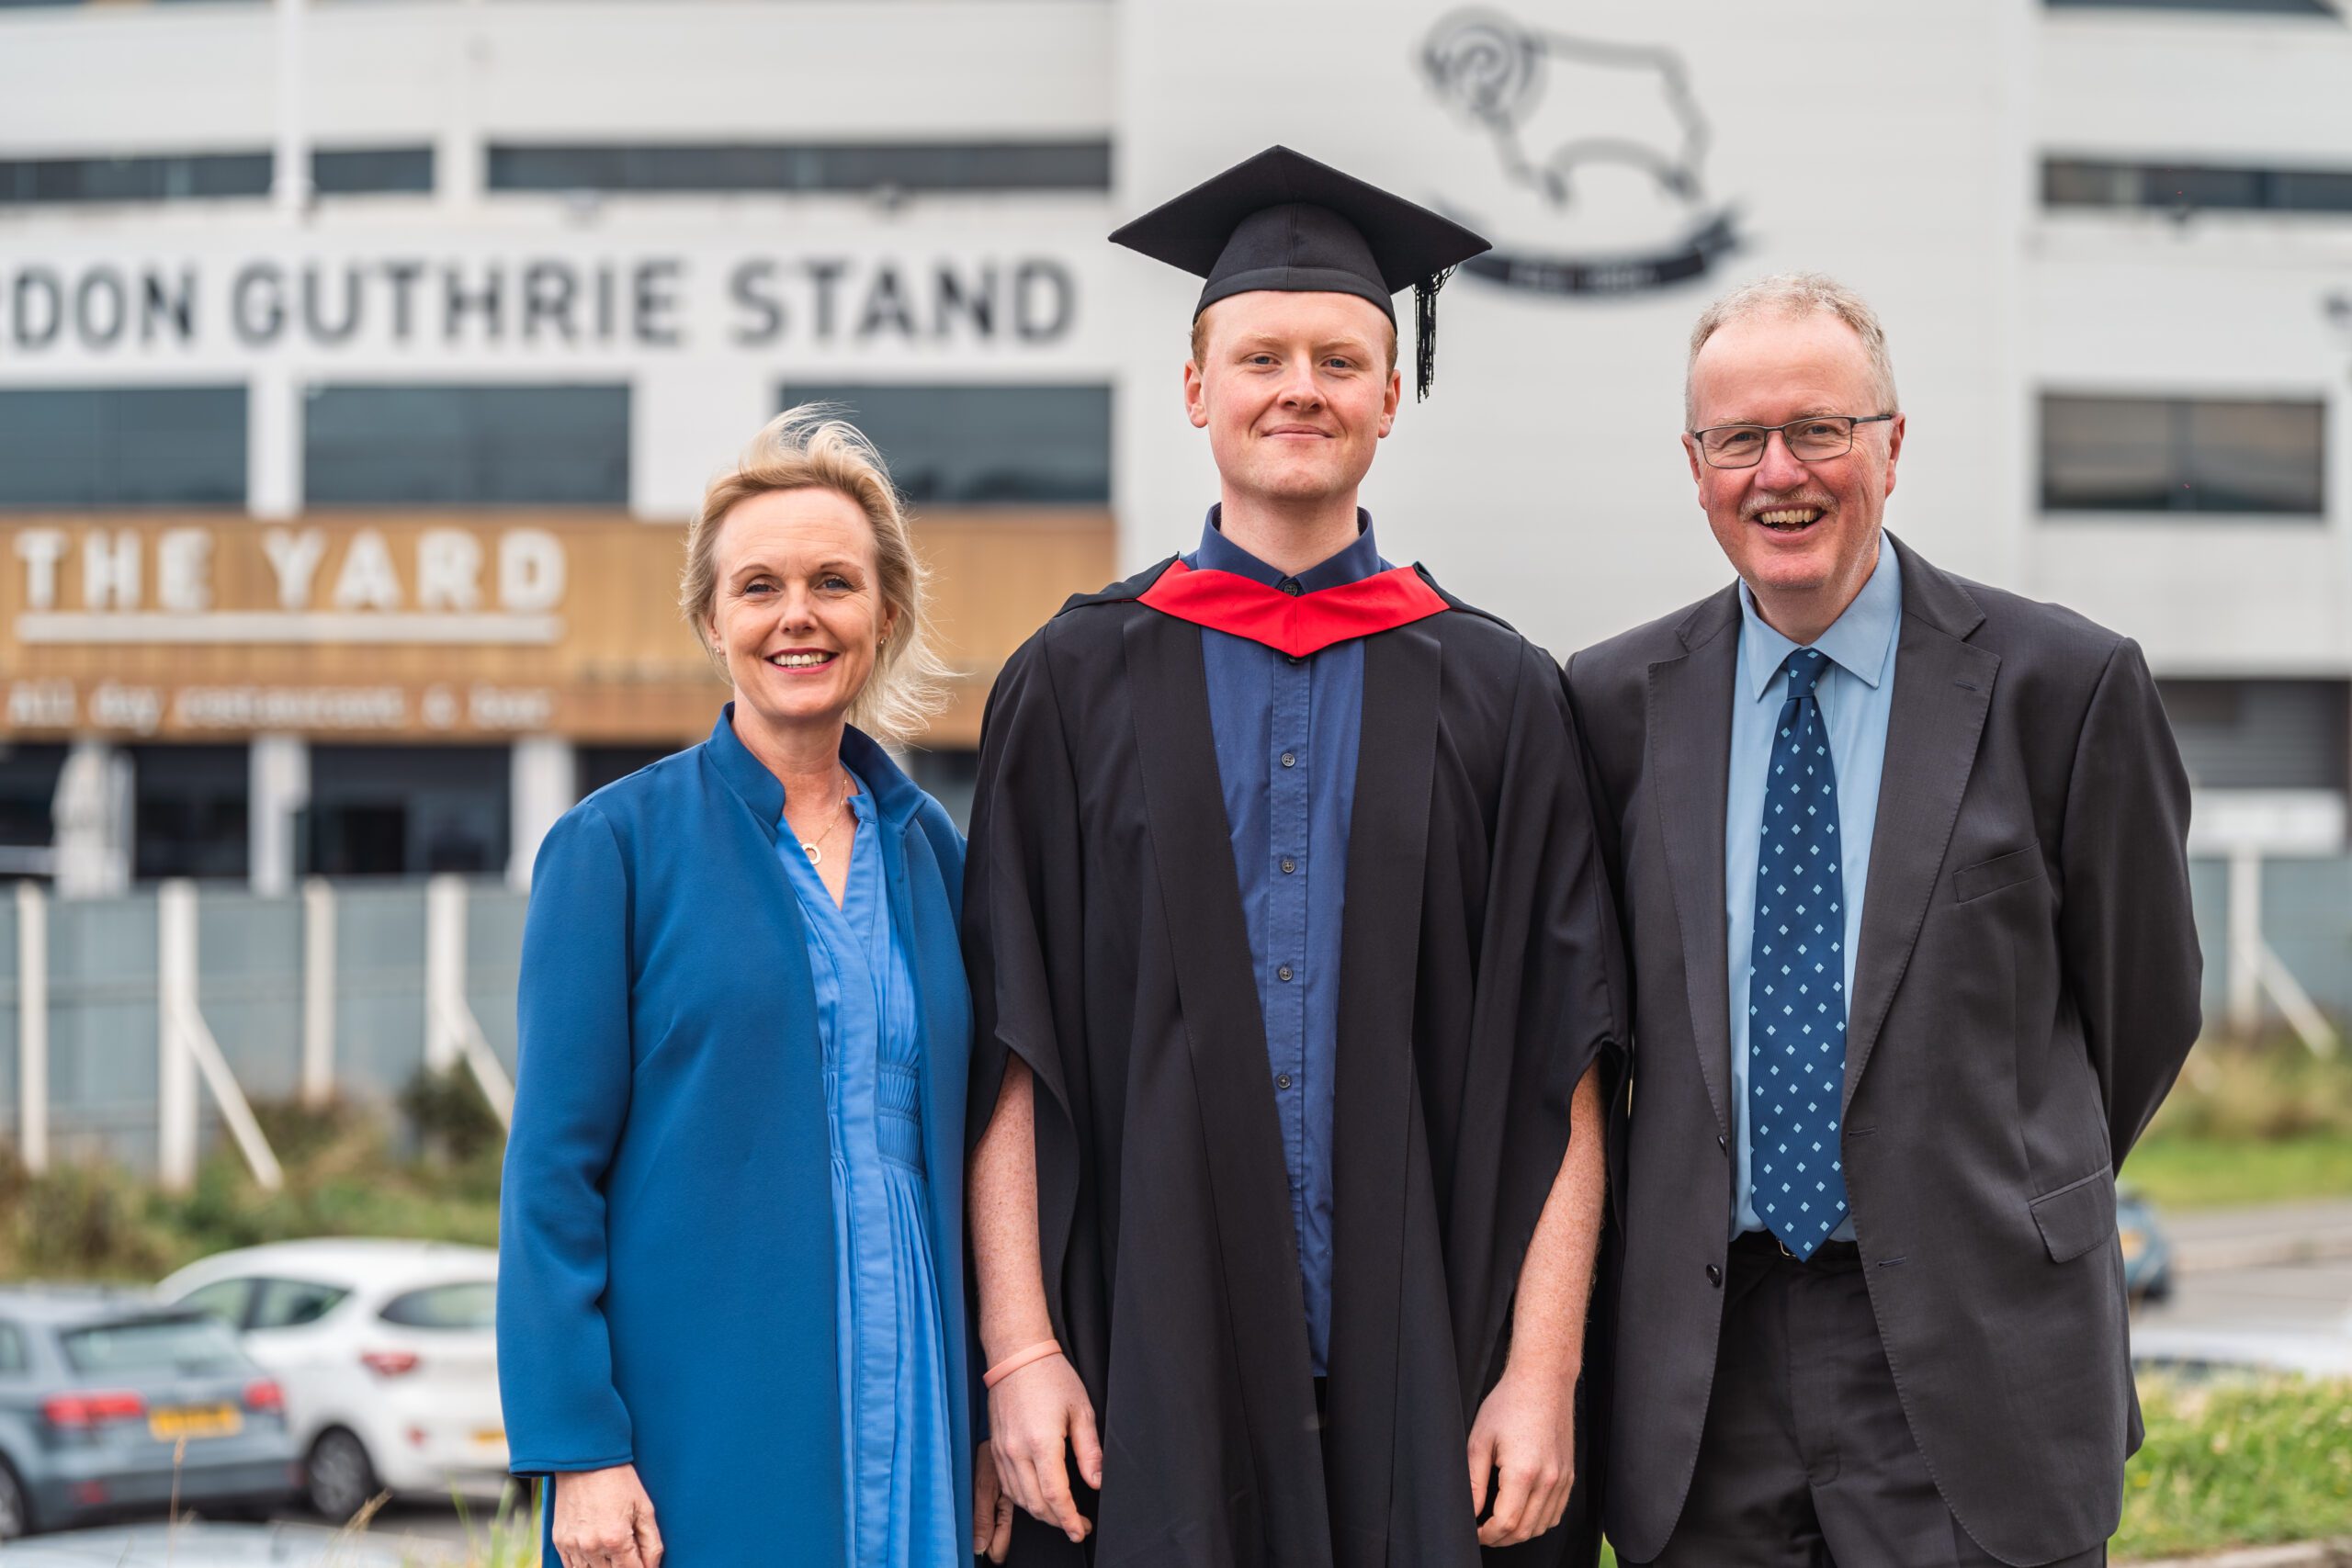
x: 815, y: 850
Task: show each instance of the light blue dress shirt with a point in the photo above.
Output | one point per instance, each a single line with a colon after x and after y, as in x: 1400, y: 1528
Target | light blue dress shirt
x: 1857, y: 696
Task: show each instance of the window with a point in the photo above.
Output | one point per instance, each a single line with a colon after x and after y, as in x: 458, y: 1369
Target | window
x: 294, y: 1303
x: 224, y: 1299
x: 2188, y: 187
x: 2262, y: 734
x: 170, y: 176
x: 98, y: 446
x: 189, y: 1344
x: 407, y: 810
x: 2185, y: 455
x: 907, y: 166
x: 12, y: 1350
x: 469, y: 1305
x: 28, y: 786
x: 363, y: 171
x: 467, y: 445
x: 188, y: 816
x: 978, y: 446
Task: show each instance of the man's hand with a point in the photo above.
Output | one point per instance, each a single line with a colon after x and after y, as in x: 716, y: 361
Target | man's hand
x: 604, y: 1519
x: 1031, y: 1414
x: 991, y: 1508
x: 1527, y: 1430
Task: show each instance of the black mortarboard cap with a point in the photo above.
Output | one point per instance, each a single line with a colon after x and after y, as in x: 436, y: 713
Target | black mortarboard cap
x: 1281, y: 220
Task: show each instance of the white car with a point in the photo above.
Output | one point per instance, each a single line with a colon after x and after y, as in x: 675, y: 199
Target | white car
x: 386, y: 1356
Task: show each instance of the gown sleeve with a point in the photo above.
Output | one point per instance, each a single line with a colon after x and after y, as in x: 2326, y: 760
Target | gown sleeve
x: 1022, y: 943
x: 555, y: 1358
x: 1558, y: 944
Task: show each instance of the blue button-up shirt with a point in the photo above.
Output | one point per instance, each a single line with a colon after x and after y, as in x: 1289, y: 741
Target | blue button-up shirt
x: 1856, y: 695
x: 1286, y: 732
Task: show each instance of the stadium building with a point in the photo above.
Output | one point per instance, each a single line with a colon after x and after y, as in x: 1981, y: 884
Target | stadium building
x: 359, y: 358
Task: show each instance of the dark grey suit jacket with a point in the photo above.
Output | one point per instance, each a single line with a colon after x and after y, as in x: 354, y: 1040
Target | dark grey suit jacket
x: 2025, y: 991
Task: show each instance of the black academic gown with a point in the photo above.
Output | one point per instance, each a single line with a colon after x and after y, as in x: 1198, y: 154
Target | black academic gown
x: 1107, y: 948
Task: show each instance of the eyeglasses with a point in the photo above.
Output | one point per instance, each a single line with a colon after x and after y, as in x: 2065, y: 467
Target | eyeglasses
x: 1810, y: 440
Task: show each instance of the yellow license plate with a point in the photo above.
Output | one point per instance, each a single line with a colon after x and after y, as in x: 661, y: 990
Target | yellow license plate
x: 2134, y: 1244
x: 490, y: 1435
x: 195, y: 1421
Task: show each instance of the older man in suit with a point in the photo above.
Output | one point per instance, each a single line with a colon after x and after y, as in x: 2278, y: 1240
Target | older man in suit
x: 1900, y: 864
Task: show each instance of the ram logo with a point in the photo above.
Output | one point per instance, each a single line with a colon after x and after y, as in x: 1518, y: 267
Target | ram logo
x: 1602, y: 149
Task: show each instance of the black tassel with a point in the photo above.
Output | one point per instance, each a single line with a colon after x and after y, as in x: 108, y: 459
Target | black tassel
x: 1425, y: 331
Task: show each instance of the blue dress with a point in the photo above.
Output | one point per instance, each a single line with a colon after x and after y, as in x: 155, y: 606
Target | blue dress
x: 891, y: 1350
x: 674, y: 1280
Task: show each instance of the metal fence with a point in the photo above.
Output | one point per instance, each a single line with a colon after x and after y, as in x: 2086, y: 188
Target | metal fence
x: 138, y: 1029
x: 134, y: 1028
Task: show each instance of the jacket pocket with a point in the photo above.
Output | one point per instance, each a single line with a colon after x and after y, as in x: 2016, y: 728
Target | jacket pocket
x: 2001, y: 871
x: 2078, y: 1216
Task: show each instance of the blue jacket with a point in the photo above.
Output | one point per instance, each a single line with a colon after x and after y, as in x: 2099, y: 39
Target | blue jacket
x: 666, y: 1262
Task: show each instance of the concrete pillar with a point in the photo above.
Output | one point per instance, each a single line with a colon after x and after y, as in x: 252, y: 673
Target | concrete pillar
x: 279, y: 790
x: 274, y: 441
x: 458, y: 150
x: 291, y: 182
x: 93, y: 813
x: 543, y: 785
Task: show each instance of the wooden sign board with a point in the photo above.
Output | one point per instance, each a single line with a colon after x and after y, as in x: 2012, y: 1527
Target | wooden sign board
x: 439, y: 625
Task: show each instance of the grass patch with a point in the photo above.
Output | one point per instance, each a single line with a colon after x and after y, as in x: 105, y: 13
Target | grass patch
x: 2238, y: 1465
x: 2185, y: 1172
x: 2264, y: 1123
x: 343, y: 1174
x: 2251, y: 1464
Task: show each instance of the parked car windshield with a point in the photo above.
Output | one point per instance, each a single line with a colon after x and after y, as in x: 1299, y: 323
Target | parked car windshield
x: 469, y: 1305
x: 151, y: 1345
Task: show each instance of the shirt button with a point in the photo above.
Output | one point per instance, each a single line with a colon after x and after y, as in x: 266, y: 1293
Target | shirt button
x: 1722, y: 1143
x: 1282, y: 1080
x: 1289, y: 865
x: 1290, y: 586
x: 1715, y: 1276
x: 1283, y: 972
x: 1297, y: 657
x: 1290, y: 759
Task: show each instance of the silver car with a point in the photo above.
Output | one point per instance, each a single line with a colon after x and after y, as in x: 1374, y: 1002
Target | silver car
x: 113, y: 1403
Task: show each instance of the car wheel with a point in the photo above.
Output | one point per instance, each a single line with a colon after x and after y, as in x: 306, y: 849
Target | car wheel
x: 2159, y: 1288
x: 339, y: 1476
x: 16, y: 1508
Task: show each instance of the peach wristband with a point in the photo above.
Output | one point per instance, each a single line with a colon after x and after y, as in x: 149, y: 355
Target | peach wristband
x: 1019, y: 1359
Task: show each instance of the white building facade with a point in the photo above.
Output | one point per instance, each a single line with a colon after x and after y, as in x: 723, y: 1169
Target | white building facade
x: 460, y: 269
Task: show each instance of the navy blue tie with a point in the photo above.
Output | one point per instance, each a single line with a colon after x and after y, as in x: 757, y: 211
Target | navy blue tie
x: 1796, y: 979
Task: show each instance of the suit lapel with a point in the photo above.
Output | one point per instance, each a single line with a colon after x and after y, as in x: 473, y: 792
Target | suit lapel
x: 1943, y: 686
x: 1689, y: 768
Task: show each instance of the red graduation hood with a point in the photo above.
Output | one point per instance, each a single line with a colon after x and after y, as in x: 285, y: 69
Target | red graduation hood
x: 1298, y: 624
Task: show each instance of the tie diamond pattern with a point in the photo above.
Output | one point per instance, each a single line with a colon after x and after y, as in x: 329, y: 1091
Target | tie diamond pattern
x: 1796, y: 979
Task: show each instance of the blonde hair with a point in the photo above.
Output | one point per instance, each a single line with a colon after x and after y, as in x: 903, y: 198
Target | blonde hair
x: 808, y: 448
x: 1798, y: 294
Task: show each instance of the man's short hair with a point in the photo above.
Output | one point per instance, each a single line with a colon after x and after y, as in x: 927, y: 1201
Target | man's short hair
x: 1798, y: 294
x: 1200, y: 340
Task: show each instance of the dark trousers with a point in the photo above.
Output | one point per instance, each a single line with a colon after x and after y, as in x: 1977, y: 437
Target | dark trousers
x: 1807, y: 1460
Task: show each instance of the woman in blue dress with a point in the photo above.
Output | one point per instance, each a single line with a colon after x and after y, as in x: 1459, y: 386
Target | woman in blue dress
x: 730, y: 1314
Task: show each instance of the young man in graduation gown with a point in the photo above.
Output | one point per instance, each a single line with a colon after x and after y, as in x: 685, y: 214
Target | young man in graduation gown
x: 1294, y: 970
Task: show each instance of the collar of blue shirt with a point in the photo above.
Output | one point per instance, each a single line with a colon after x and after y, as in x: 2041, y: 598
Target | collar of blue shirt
x: 1860, y: 641
x: 1353, y: 564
